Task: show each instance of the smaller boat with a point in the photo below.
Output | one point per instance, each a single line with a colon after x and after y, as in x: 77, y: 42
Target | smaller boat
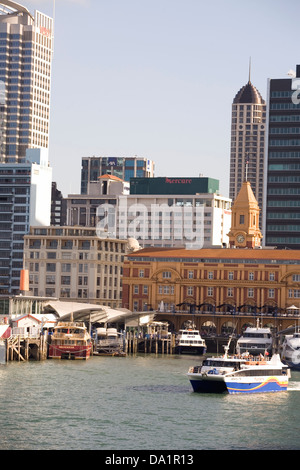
x: 290, y: 352
x: 109, y: 342
x: 70, y: 340
x: 240, y: 374
x: 189, y: 341
x: 255, y: 340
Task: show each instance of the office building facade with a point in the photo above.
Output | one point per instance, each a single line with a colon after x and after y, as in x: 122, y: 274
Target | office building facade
x: 26, y: 49
x: 281, y: 226
x: 25, y: 200
x: 74, y: 263
x: 248, y: 129
x: 123, y: 168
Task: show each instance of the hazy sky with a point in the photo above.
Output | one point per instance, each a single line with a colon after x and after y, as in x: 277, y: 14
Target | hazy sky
x: 156, y: 78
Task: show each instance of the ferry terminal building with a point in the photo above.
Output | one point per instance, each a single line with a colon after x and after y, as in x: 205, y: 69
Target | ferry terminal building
x: 218, y: 286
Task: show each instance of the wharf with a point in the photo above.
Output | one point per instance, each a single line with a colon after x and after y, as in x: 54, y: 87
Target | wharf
x: 24, y: 348
x: 149, y: 345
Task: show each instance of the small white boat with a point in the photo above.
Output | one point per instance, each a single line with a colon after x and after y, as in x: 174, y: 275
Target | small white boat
x: 240, y: 374
x: 255, y: 340
x: 189, y: 341
x: 290, y: 352
x: 109, y: 341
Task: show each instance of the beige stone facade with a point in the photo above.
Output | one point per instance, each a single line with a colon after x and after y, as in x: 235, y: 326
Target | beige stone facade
x: 73, y: 263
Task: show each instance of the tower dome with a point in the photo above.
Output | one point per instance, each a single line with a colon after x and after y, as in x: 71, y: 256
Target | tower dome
x: 248, y: 94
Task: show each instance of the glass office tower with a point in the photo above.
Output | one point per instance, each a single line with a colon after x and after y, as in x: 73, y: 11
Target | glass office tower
x: 26, y: 47
x: 282, y: 176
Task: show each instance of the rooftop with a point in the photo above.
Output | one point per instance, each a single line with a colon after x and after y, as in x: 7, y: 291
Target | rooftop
x: 231, y: 255
x: 248, y: 94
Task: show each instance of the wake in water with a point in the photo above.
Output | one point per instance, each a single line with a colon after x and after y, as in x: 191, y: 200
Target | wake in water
x: 294, y: 387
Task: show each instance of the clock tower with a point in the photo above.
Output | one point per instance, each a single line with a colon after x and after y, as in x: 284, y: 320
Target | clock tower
x: 245, y: 232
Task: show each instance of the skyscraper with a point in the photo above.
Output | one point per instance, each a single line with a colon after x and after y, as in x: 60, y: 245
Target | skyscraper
x: 282, y: 176
x: 247, y: 141
x: 26, y: 47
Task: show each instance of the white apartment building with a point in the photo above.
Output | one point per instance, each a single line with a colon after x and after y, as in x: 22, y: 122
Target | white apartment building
x: 74, y: 263
x: 26, y: 50
x: 155, y: 220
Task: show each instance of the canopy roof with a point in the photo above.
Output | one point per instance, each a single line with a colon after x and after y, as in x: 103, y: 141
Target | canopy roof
x: 89, y: 312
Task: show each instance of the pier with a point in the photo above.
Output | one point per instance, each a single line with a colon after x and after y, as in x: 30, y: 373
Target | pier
x: 24, y: 348
x: 149, y: 344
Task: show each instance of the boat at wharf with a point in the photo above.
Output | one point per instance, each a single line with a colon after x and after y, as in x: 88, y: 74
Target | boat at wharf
x: 290, y: 352
x: 255, y: 340
x: 70, y: 340
x: 189, y: 341
x: 240, y: 374
x: 109, y: 342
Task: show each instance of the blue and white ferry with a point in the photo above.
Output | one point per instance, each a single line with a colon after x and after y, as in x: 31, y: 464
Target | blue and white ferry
x: 240, y: 374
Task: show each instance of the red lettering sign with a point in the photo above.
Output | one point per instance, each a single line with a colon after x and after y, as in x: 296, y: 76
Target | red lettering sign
x: 178, y: 181
x: 46, y: 32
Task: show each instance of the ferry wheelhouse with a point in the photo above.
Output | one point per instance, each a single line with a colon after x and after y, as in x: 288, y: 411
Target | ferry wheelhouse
x: 70, y: 340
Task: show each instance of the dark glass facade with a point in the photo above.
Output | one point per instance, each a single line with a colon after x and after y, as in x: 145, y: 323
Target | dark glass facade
x: 282, y: 198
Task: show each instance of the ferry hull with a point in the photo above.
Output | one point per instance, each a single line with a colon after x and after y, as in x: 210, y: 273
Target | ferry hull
x: 69, y: 352
x: 221, y: 385
x: 195, y: 350
x: 292, y: 365
x: 272, y: 384
x: 208, y: 386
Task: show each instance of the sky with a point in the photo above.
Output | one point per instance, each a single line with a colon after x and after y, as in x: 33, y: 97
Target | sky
x: 156, y: 78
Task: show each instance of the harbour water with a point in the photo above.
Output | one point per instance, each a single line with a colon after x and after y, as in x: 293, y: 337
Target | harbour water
x: 137, y: 403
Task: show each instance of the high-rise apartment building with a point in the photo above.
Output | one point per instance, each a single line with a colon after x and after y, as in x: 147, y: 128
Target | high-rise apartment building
x: 281, y: 226
x: 25, y: 200
x: 124, y: 168
x: 248, y: 127
x: 26, y: 48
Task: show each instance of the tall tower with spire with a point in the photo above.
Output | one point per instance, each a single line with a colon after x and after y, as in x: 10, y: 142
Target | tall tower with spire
x: 248, y: 127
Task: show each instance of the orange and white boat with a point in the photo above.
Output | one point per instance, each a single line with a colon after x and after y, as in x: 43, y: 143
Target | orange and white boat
x: 70, y: 340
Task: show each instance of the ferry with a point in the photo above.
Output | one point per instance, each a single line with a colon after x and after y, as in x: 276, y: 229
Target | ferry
x: 290, y: 353
x: 240, y: 374
x: 255, y: 340
x: 189, y: 341
x: 70, y: 340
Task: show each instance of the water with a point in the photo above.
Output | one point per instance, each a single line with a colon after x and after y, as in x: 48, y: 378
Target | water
x: 135, y: 403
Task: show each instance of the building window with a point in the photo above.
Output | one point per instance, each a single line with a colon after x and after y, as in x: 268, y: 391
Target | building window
x: 51, y: 267
x: 166, y: 275
x: 191, y: 274
x: 141, y: 273
x: 250, y: 292
x: 210, y: 275
x: 230, y: 276
x: 210, y: 291
x: 296, y: 277
x: 242, y: 219
x: 271, y: 293
x: 136, y: 289
x: 145, y: 290
x: 230, y: 292
x: 190, y: 291
x: 251, y: 276
x: 271, y: 276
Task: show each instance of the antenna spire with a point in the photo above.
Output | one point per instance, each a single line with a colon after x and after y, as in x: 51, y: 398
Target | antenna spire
x: 250, y: 70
